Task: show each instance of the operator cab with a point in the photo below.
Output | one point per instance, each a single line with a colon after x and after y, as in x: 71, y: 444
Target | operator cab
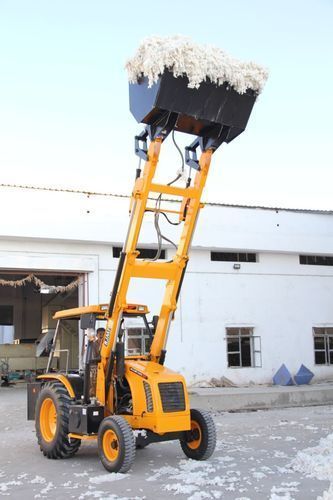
x: 77, y: 356
x: 135, y: 331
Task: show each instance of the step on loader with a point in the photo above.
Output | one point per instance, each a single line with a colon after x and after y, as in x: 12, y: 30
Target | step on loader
x: 123, y: 397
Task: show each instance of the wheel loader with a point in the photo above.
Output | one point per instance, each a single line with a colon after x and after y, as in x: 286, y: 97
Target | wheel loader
x: 122, y: 398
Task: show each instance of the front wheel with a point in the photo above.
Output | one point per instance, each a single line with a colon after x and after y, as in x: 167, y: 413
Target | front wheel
x: 116, y: 444
x: 200, y: 441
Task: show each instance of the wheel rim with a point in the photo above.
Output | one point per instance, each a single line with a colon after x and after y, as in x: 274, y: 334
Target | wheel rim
x: 196, y: 430
x: 110, y: 445
x: 48, y: 419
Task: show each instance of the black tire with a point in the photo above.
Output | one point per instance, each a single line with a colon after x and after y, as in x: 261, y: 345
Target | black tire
x: 116, y: 444
x: 200, y: 442
x: 53, y: 440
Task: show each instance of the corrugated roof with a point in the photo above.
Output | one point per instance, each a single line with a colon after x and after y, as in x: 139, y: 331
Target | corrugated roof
x: 261, y: 207
x: 120, y: 195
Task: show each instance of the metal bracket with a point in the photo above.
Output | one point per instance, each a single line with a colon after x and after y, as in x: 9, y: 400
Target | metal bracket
x: 191, y: 158
x: 163, y: 126
x: 214, y: 142
x: 204, y: 143
x: 141, y: 152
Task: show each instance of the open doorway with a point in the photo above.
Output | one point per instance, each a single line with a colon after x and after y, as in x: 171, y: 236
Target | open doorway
x: 27, y: 309
x: 28, y: 301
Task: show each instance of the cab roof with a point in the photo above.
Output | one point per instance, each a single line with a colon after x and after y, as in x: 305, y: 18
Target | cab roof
x: 101, y: 311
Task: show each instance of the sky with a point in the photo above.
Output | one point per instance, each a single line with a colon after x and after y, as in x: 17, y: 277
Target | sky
x: 64, y: 112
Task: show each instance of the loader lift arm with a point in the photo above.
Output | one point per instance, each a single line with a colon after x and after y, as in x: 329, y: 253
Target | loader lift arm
x: 131, y: 267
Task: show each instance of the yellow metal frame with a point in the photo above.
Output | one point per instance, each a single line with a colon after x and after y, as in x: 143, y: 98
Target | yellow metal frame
x: 83, y: 437
x: 171, y: 271
x: 100, y: 310
x: 140, y: 370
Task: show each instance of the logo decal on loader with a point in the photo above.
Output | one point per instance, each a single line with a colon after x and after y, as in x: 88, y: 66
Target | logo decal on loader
x: 107, y: 337
x: 138, y: 373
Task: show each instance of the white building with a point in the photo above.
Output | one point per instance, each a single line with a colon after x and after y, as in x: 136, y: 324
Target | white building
x: 239, y: 318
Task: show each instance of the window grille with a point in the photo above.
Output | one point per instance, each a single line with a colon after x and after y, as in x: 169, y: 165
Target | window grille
x: 137, y: 341
x: 316, y: 260
x: 243, y: 348
x: 145, y: 253
x: 233, y: 256
x: 323, y: 345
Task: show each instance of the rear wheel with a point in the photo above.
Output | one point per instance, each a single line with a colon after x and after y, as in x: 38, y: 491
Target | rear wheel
x: 116, y: 444
x: 200, y: 441
x: 52, y: 416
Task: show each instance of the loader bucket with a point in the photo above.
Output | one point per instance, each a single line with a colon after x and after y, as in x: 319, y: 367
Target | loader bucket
x: 211, y: 111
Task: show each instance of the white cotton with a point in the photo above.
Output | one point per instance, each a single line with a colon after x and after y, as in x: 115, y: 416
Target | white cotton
x: 317, y: 461
x: 181, y: 56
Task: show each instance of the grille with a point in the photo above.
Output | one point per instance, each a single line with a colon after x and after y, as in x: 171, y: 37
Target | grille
x: 172, y: 396
x: 149, y: 398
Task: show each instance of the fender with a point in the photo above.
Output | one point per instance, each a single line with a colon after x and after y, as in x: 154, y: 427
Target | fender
x: 60, y: 378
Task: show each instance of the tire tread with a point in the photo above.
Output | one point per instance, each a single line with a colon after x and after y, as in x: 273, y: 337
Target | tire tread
x: 126, y: 434
x: 63, y: 447
x: 209, y: 436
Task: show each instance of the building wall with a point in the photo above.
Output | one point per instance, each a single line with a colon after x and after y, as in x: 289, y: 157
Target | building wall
x: 281, y: 299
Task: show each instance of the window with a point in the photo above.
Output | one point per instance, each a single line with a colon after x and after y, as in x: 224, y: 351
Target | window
x: 137, y: 337
x: 6, y: 315
x: 137, y: 341
x: 323, y: 345
x: 233, y: 256
x: 316, y: 260
x: 243, y: 348
x: 145, y: 253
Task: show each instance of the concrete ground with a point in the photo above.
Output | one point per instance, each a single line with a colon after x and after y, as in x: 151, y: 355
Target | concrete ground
x: 252, y: 460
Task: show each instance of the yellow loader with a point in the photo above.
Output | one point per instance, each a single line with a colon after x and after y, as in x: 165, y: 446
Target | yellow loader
x: 127, y: 400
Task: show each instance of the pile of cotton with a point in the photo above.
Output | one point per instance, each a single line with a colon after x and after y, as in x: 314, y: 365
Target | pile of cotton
x: 183, y: 57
